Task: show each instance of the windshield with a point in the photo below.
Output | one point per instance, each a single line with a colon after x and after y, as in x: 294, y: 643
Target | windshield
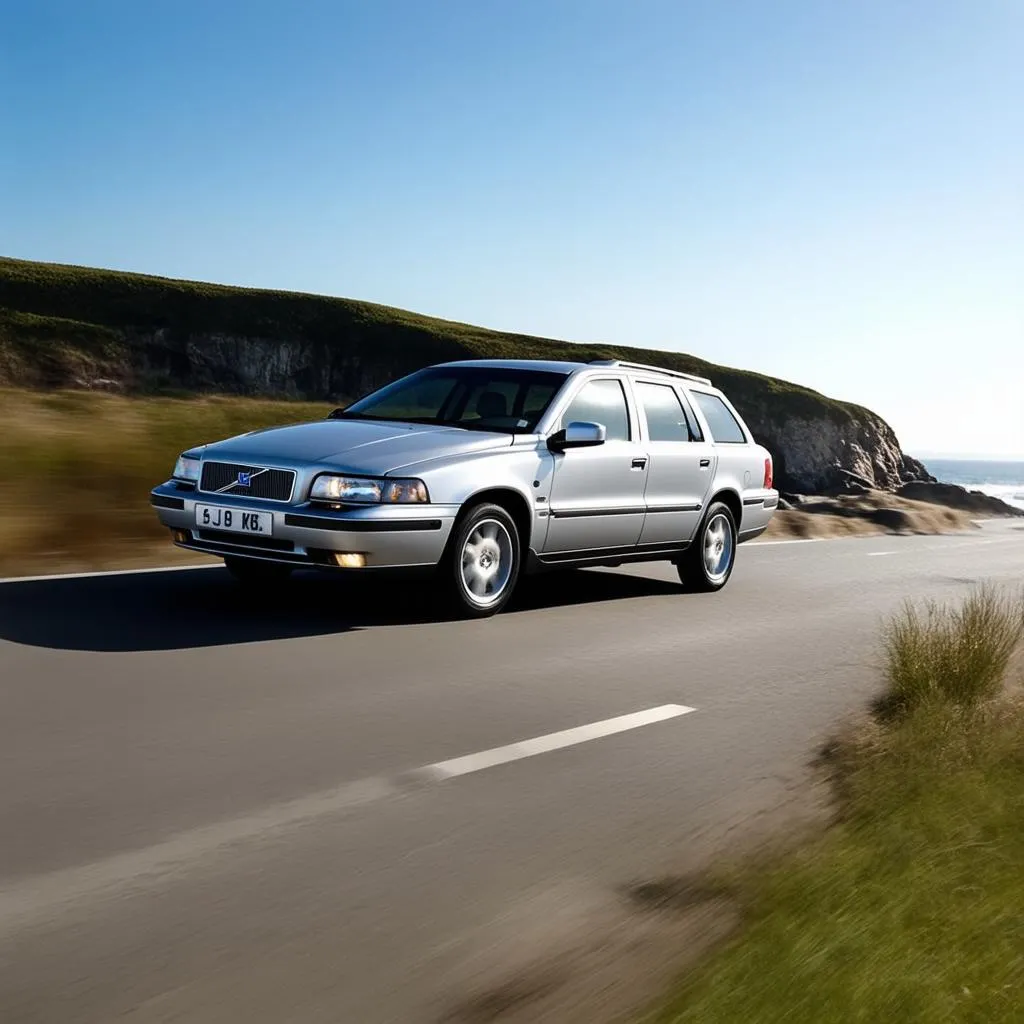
x: 510, y: 401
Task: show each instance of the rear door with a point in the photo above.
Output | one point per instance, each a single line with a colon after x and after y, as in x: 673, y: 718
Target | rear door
x: 681, y: 464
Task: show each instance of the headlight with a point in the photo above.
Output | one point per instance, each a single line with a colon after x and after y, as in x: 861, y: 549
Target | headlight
x: 362, y: 490
x: 345, y: 488
x: 187, y: 469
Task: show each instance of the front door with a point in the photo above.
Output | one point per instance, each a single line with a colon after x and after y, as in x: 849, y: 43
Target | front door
x: 597, y: 494
x: 681, y: 469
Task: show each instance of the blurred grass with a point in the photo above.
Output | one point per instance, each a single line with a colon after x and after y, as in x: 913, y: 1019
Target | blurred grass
x: 76, y: 467
x: 911, y: 907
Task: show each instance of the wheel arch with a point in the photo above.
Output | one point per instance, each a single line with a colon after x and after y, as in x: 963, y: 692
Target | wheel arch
x: 732, y: 501
x: 513, y: 502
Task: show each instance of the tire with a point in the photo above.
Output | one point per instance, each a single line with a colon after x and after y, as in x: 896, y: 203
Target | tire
x: 481, y: 564
x: 708, y: 562
x: 256, y: 572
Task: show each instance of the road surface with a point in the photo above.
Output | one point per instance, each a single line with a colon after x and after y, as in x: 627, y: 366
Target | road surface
x: 330, y: 806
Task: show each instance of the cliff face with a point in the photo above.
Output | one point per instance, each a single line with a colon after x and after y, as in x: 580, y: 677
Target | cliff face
x: 821, y: 454
x: 78, y: 327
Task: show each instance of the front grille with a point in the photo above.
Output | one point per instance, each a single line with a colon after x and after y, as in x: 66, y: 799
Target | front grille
x: 272, y: 484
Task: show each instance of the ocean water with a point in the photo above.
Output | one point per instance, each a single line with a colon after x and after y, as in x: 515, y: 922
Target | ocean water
x: 1004, y: 480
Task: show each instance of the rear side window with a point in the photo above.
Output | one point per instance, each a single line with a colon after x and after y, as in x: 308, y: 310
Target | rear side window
x: 724, y: 428
x: 666, y: 418
x: 601, y: 401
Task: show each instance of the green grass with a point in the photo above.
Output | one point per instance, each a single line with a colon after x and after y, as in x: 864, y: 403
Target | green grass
x: 911, y: 907
x: 76, y: 467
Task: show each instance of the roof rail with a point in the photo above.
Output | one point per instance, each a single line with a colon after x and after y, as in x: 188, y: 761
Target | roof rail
x: 654, y: 369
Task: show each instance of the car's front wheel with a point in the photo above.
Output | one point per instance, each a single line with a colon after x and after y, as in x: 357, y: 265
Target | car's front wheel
x: 709, y: 560
x: 482, y: 562
x: 255, y: 571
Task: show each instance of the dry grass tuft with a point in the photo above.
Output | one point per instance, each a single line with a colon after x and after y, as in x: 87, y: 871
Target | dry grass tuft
x: 955, y: 655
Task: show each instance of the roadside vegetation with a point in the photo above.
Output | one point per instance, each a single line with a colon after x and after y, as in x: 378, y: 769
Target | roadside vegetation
x: 76, y: 468
x: 910, y: 907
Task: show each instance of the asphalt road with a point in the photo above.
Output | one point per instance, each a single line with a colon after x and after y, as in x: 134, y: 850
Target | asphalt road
x: 218, y: 806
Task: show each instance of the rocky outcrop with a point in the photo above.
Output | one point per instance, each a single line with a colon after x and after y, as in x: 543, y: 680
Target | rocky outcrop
x: 954, y: 496
x: 838, y: 450
x: 81, y: 327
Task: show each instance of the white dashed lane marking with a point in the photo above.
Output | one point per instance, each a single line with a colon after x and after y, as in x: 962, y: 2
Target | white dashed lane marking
x: 24, y: 902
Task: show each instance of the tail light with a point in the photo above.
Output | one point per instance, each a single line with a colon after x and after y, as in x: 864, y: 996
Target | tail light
x: 768, y: 473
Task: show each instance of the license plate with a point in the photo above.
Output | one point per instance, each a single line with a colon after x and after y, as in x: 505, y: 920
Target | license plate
x: 235, y: 520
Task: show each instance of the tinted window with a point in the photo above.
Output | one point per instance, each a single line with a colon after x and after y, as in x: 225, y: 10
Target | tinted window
x: 724, y: 428
x: 666, y: 419
x: 601, y: 401
x: 472, y: 397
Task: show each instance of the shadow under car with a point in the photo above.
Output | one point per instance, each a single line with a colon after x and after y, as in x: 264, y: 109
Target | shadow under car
x: 206, y: 607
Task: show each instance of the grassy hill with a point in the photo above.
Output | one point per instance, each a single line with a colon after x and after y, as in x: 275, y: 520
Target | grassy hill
x: 74, y: 327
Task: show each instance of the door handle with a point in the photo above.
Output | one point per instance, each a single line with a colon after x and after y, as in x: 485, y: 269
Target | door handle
x: 639, y: 463
x: 704, y: 463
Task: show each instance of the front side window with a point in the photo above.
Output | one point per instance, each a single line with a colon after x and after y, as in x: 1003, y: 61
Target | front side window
x: 666, y: 418
x: 724, y: 427
x: 601, y: 401
x: 471, y: 397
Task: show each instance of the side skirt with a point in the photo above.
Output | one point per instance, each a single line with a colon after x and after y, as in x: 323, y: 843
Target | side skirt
x: 609, y: 557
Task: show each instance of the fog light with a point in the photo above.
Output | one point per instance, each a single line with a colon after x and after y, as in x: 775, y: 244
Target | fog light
x: 349, y: 559
x: 181, y: 536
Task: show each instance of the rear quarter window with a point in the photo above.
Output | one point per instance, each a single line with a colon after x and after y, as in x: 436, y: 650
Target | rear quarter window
x: 725, y: 428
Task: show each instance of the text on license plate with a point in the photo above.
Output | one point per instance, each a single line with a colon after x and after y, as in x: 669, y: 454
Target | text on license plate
x: 217, y: 517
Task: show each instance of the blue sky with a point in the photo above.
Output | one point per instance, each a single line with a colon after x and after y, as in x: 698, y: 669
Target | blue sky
x: 828, y: 192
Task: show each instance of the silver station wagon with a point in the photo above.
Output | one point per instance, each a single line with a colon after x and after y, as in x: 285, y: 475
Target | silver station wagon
x: 478, y: 471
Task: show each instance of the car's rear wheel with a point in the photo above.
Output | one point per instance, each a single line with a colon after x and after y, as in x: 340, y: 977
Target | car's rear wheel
x: 481, y: 565
x: 255, y: 571
x: 708, y: 562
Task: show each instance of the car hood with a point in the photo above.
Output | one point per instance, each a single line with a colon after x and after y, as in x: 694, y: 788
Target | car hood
x: 357, y: 446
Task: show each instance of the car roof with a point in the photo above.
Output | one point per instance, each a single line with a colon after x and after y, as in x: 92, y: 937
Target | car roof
x: 569, y: 367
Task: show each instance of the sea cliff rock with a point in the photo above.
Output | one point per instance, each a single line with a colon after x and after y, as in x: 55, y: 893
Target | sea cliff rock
x: 832, y: 452
x: 955, y: 496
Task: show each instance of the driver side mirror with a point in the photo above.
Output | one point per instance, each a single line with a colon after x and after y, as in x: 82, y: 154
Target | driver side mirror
x: 577, y: 435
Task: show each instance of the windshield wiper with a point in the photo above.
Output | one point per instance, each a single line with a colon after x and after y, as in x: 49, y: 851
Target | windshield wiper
x: 342, y: 414
x: 429, y: 421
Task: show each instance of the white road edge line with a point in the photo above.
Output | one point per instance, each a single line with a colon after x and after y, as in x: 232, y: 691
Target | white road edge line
x: 470, y: 763
x: 27, y: 901
x: 108, y: 572
x: 797, y: 540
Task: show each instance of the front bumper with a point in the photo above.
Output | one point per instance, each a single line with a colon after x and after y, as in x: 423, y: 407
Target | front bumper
x: 388, y: 536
